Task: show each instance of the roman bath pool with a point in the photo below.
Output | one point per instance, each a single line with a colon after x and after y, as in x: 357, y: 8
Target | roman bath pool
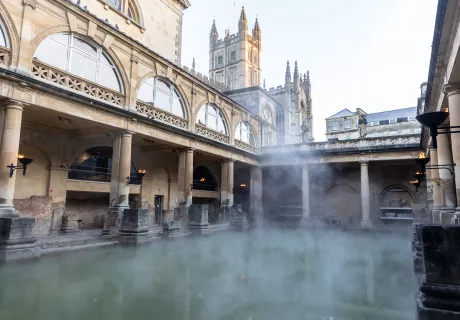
x: 269, y: 274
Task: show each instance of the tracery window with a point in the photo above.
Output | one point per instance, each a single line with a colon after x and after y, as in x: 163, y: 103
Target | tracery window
x: 162, y: 95
x: 80, y: 57
x: 3, y: 36
x: 211, y: 117
x: 244, y: 133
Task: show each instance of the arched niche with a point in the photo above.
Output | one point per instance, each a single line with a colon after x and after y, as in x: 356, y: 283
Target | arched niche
x: 204, y: 179
x: 95, y: 164
x: 396, y: 196
x: 342, y: 203
x: 36, y: 180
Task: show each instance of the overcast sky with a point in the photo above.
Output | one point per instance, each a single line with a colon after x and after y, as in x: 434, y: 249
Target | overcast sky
x: 369, y: 54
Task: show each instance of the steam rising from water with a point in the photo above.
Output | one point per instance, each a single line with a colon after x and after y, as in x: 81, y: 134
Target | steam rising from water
x: 268, y: 274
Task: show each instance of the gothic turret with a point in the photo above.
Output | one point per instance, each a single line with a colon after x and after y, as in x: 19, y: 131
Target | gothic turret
x: 307, y: 85
x: 243, y: 23
x: 257, y: 33
x: 287, y: 80
x: 214, y: 36
x: 296, y: 79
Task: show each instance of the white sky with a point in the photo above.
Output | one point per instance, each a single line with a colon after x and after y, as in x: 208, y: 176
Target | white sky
x: 369, y: 54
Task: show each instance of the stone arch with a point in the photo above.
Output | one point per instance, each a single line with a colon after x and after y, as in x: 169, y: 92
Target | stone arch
x: 251, y: 127
x: 396, y: 196
x: 342, y: 202
x: 138, y: 8
x: 36, y: 180
x: 38, y: 39
x: 154, y: 74
x: 11, y: 31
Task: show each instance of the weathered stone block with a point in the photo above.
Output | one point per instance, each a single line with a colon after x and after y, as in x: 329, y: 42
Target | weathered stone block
x: 112, y: 220
x: 134, y: 226
x: 171, y: 226
x: 420, y: 213
x: 69, y: 223
x: 16, y: 240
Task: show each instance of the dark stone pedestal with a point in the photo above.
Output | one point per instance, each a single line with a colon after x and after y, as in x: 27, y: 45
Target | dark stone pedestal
x: 439, y: 296
x: 134, y: 226
x: 171, y: 229
x: 239, y: 218
x: 198, y: 218
x: 16, y: 241
x: 69, y: 223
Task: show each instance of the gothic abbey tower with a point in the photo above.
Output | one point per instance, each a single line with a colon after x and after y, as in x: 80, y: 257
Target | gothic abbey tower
x: 235, y: 60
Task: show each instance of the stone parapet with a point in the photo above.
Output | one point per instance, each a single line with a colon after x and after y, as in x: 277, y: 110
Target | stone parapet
x: 198, y: 218
x: 16, y: 240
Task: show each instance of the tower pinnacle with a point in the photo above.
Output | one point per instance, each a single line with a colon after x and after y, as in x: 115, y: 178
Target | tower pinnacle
x: 214, y: 28
x: 243, y: 23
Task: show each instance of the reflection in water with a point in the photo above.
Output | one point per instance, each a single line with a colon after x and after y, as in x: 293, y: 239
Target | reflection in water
x: 260, y: 275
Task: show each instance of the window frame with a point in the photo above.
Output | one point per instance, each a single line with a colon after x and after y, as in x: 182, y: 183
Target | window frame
x: 5, y: 35
x: 172, y: 90
x: 335, y: 125
x: 220, y: 115
x: 123, y: 7
x: 98, y: 59
x: 347, y: 124
x: 244, y: 126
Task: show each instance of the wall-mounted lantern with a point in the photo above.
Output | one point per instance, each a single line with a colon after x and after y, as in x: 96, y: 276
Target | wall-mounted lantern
x: 433, y: 120
x: 24, y: 161
x: 141, y: 173
x: 416, y: 183
x: 422, y: 161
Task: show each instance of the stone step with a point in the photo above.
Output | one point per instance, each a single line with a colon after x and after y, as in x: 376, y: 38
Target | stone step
x: 55, y: 250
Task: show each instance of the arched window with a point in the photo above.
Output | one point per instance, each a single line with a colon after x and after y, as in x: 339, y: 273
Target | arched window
x: 244, y: 133
x: 211, y: 117
x: 162, y: 95
x: 3, y: 36
x: 80, y: 57
x: 133, y: 13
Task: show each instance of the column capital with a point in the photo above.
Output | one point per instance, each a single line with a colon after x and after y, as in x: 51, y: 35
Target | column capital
x: 452, y: 88
x: 364, y: 162
x: 7, y: 103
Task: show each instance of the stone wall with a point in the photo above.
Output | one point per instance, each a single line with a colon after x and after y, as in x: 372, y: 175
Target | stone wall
x: 39, y: 208
x: 88, y: 207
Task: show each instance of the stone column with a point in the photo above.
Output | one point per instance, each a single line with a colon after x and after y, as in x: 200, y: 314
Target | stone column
x: 184, y: 183
x: 224, y: 183
x: 230, y: 181
x: 305, y: 194
x: 453, y: 95
x: 255, y: 195
x: 436, y: 187
x: 188, y: 176
x: 365, y: 196
x: 119, y: 186
x: 9, y: 149
x: 16, y: 241
x: 449, y: 199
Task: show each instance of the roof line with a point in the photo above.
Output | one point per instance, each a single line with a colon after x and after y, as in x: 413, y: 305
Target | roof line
x: 390, y: 110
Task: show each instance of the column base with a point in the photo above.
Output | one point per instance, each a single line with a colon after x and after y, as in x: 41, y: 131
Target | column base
x: 16, y: 241
x: 366, y: 224
x: 8, y: 211
x: 69, y: 223
x: 112, y: 220
x: 134, y: 226
x: 446, y: 215
x: 198, y: 219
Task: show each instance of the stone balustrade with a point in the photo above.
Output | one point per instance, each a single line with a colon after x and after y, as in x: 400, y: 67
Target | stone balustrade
x: 211, y: 134
x: 44, y: 71
x: 369, y: 143
x: 151, y: 112
x: 244, y: 146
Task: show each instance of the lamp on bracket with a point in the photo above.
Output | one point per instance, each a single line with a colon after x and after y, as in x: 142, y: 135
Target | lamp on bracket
x: 24, y: 161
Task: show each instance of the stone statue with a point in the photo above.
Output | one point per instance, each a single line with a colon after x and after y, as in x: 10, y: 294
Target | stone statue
x: 362, y: 126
